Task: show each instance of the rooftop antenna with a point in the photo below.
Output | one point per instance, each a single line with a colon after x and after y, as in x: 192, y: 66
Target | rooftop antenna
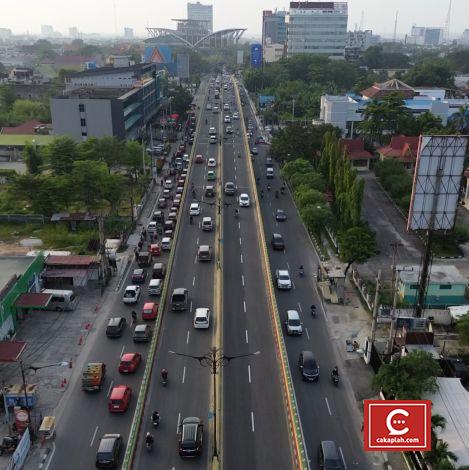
x: 448, y: 21
x: 362, y: 20
x: 395, y: 27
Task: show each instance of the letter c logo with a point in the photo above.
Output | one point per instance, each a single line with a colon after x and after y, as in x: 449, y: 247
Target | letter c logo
x: 390, y: 423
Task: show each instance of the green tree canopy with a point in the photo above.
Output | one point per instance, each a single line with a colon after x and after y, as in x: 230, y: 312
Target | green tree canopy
x: 89, y: 179
x: 408, y: 377
x: 7, y: 98
x: 61, y: 154
x: 462, y: 327
x: 316, y: 217
x: 433, y: 73
x: 357, y: 245
x: 32, y: 158
x: 25, y: 110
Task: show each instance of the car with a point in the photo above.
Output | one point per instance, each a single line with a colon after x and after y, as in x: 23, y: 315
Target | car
x: 173, y: 216
x: 226, y: 107
x: 269, y: 174
x: 268, y: 161
x: 229, y: 130
x: 202, y: 318
x: 142, y: 333
x: 254, y: 151
x: 166, y: 193
x: 119, y: 398
x: 190, y: 437
x: 158, y: 271
x: 328, y: 456
x: 168, y: 184
x: 155, y: 286
x: 277, y: 242
x: 152, y: 227
x: 131, y: 295
x: 129, y: 362
x: 191, y: 140
x: 115, y: 327
x: 244, y: 200
x: 209, y: 107
x: 282, y: 277
x: 308, y: 366
x: 199, y: 159
x: 293, y: 323
x: 185, y: 158
x: 268, y: 128
x: 212, y: 131
x: 162, y: 203
x: 236, y: 115
x: 149, y: 311
x: 158, y: 216
x: 139, y: 276
x: 207, y: 224
x: 166, y: 243
x: 212, y: 162
x: 109, y: 451
x: 211, y: 175
x: 227, y: 119
x: 215, y: 110
x: 194, y: 208
x: 280, y: 215
x: 230, y: 188
x: 210, y: 191
x: 204, y: 253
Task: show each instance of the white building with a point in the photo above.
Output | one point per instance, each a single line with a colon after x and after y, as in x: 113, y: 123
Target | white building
x: 128, y: 33
x: 73, y: 32
x: 272, y: 52
x: 423, y: 36
x: 465, y: 38
x: 5, y: 33
x: 198, y: 11
x: 47, y: 30
x: 317, y: 28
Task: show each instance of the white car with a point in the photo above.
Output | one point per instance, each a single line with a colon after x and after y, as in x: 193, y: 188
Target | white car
x: 226, y: 107
x: 209, y: 106
x: 282, y: 277
x: 131, y: 294
x: 236, y: 115
x: 152, y: 227
x: 155, y: 287
x: 202, y: 318
x: 212, y: 162
x: 212, y: 131
x: 244, y: 200
x: 166, y: 243
x: 227, y: 119
x: 194, y: 209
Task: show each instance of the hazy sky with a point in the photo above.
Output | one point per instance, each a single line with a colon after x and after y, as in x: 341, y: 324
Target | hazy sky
x: 107, y: 16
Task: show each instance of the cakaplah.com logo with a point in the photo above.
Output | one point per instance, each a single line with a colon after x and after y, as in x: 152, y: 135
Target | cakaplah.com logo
x: 392, y: 425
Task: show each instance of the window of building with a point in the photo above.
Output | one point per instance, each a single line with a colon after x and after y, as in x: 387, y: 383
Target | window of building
x: 83, y: 122
x: 445, y: 286
x: 84, y: 134
x: 81, y: 108
x: 414, y: 286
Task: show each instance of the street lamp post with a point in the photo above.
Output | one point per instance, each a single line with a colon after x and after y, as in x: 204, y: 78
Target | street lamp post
x: 214, y: 359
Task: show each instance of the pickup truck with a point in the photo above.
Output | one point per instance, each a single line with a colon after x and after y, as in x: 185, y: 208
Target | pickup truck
x: 93, y: 376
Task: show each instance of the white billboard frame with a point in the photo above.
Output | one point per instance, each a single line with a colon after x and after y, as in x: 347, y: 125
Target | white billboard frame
x: 437, y: 179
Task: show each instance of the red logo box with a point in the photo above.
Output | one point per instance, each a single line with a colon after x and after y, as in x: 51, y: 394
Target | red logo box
x: 397, y: 425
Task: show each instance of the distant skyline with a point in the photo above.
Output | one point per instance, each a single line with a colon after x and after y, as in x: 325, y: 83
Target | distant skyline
x: 109, y: 17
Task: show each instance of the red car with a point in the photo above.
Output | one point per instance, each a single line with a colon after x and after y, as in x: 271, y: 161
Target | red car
x: 199, y: 159
x: 149, y: 311
x: 155, y: 249
x: 129, y: 362
x: 119, y: 399
x: 138, y: 276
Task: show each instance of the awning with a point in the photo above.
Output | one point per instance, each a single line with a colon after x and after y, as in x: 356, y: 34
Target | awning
x: 10, y: 351
x: 65, y: 273
x: 30, y: 300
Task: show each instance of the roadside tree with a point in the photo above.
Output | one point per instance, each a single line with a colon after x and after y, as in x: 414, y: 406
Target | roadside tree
x: 61, y: 153
x: 33, y: 159
x: 462, y: 327
x: 356, y: 245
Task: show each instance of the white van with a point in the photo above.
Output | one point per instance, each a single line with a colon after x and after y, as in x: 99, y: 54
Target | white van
x: 207, y: 224
x: 62, y: 300
x: 270, y: 172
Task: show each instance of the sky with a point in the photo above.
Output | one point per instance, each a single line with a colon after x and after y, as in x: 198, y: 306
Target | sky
x: 109, y: 16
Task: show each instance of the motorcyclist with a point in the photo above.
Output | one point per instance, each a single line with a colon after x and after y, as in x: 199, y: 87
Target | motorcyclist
x: 149, y: 439
x: 239, y: 155
x: 335, y: 372
x: 268, y: 187
x: 155, y: 417
x: 258, y: 179
x: 262, y: 193
x: 164, y: 374
x: 236, y: 213
x: 134, y: 315
x: 301, y: 270
x: 282, y: 189
x: 313, y: 309
x: 193, y: 193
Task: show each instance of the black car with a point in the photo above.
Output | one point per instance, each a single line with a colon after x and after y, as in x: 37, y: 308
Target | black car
x: 159, y: 271
x: 138, y: 276
x: 115, y: 327
x: 328, y: 456
x: 308, y: 366
x: 277, y: 242
x: 109, y: 451
x: 191, y: 432
x: 280, y: 215
x: 191, y: 141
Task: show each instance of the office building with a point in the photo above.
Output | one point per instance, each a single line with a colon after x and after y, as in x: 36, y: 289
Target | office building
x: 5, y: 33
x: 423, y: 36
x: 274, y: 34
x: 203, y: 13
x: 73, y: 32
x: 108, y: 101
x: 47, y: 30
x: 465, y: 38
x: 360, y: 40
x: 317, y: 28
x: 128, y: 33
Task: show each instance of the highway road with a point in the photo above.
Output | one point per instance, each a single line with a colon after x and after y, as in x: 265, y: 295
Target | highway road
x: 327, y: 412
x: 82, y: 418
x: 255, y: 433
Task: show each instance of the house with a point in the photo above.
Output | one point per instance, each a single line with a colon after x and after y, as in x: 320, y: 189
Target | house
x: 446, y: 286
x: 356, y: 153
x: 27, y: 128
x: 381, y: 90
x: 401, y: 148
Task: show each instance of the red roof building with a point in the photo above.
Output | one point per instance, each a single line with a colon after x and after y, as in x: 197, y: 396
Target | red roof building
x: 356, y: 153
x: 26, y: 128
x: 402, y: 148
x: 67, y: 272
x: 381, y: 90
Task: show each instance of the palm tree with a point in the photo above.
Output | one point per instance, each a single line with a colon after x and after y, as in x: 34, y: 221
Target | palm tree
x: 438, y: 421
x: 440, y: 457
x: 461, y: 119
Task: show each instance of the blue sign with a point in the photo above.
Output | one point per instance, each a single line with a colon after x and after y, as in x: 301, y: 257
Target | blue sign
x: 256, y: 55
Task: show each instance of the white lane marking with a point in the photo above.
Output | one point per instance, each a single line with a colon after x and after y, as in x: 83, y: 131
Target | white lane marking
x: 288, y: 266
x: 197, y: 242
x: 247, y: 337
x: 252, y: 421
x: 195, y: 259
x: 187, y: 338
x: 184, y: 374
x: 293, y: 284
x: 179, y: 422
x: 190, y: 309
x: 244, y: 306
x: 94, y: 435
x: 328, y: 407
x: 242, y: 279
x: 240, y: 240
x: 50, y: 456
x: 249, y: 374
x: 239, y: 225
x: 299, y: 307
x: 241, y: 259
x: 307, y: 333
x: 343, y: 458
x: 193, y: 281
x: 122, y: 350
x: 110, y: 388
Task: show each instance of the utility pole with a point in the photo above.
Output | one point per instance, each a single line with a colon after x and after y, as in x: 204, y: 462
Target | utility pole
x: 395, y: 27
x: 102, y: 251
x: 374, y: 324
x: 293, y: 111
x: 392, y: 328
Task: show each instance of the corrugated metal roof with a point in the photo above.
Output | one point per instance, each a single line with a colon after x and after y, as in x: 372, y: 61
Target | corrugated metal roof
x: 73, y: 260
x: 10, y: 351
x: 51, y: 272
x: 33, y: 300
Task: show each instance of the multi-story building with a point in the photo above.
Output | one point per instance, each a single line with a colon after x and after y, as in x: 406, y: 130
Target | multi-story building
x: 317, y: 28
x: 423, y: 36
x: 128, y: 33
x: 5, y: 33
x: 73, y: 32
x: 274, y: 34
x: 359, y: 39
x: 199, y: 12
x: 47, y: 30
x: 106, y: 101
x: 465, y: 38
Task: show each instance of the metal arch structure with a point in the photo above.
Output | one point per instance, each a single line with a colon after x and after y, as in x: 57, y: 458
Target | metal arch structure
x: 215, y: 40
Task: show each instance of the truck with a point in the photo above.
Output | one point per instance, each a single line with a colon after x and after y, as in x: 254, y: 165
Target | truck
x: 93, y: 376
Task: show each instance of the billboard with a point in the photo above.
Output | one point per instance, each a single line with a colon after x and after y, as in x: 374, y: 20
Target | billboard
x: 437, y: 178
x: 256, y: 55
x: 240, y: 57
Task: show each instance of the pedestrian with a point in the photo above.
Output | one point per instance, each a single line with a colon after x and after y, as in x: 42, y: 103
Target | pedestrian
x: 136, y: 253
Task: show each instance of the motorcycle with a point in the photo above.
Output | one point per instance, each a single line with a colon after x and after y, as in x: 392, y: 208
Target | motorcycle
x: 9, y: 444
x: 149, y: 445
x: 313, y: 311
x: 155, y: 421
x: 335, y: 378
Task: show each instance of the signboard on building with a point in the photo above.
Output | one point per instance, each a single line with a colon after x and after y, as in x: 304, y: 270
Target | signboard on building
x: 182, y: 65
x: 256, y: 55
x: 437, y: 179
x: 240, y: 57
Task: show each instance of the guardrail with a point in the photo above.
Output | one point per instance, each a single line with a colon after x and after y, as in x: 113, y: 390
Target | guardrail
x: 296, y: 431
x: 137, y: 420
